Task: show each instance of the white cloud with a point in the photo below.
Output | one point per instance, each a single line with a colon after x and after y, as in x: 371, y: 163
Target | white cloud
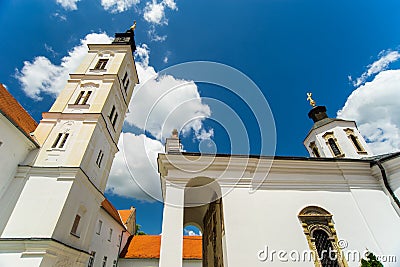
x: 154, y: 12
x: 118, y: 6
x: 161, y: 104
x: 385, y: 58
x: 41, y: 76
x: 68, y: 4
x: 153, y: 35
x: 134, y: 169
x: 375, y: 107
x: 191, y: 232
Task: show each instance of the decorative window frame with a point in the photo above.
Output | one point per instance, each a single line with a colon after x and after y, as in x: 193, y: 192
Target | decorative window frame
x: 350, y: 132
x: 314, y: 218
x: 313, y: 146
x: 329, y: 135
x: 105, y: 54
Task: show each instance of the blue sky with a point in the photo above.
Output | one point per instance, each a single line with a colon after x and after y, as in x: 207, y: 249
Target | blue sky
x: 345, y: 52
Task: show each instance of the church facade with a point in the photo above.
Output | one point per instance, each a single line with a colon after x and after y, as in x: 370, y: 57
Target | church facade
x: 324, y: 210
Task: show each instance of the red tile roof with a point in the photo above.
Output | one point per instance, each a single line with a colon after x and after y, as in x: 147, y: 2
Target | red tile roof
x: 124, y: 215
x: 15, y: 113
x: 148, y: 247
x: 111, y: 210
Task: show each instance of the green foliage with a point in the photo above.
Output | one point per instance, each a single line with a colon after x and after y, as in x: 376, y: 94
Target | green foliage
x: 138, y: 231
x: 371, y: 261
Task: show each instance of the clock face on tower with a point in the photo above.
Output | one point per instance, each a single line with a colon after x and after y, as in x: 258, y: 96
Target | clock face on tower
x: 122, y: 39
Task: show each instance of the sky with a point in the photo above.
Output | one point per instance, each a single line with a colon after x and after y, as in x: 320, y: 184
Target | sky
x: 254, y: 61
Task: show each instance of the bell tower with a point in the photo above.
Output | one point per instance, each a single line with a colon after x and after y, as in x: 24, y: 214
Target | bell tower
x: 62, y: 186
x: 333, y: 138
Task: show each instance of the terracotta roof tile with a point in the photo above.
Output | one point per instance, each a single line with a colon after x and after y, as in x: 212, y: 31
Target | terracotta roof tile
x: 14, y: 112
x: 124, y: 215
x: 110, y: 209
x: 148, y: 247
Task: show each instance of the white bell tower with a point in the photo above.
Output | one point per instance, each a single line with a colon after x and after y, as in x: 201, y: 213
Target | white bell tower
x: 57, y: 195
x: 333, y: 138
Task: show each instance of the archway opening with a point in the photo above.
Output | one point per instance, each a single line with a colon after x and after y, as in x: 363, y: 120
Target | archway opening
x: 203, y: 209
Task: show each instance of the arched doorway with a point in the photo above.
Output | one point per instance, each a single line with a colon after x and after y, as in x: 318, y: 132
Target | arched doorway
x: 203, y: 209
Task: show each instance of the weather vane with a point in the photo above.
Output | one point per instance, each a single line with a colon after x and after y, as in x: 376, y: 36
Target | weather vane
x: 309, y: 98
x: 133, y: 27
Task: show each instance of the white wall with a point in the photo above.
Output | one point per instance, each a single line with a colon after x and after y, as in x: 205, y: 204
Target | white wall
x: 363, y: 218
x: 14, y: 148
x: 100, y: 243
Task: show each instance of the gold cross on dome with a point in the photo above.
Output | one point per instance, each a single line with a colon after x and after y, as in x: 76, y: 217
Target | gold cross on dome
x: 309, y: 98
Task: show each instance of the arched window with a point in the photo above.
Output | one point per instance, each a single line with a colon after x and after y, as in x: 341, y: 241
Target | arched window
x: 334, y: 147
x: 321, y: 235
x: 326, y: 253
x: 354, y: 140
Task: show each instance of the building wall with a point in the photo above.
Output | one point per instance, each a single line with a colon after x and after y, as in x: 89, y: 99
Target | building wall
x: 14, y: 147
x: 362, y: 217
x: 100, y: 242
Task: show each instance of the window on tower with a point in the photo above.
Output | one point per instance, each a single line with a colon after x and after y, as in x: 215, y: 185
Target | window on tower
x: 334, y: 147
x: 82, y: 98
x: 315, y: 150
x: 101, y: 64
x: 354, y: 140
x: 125, y: 81
x: 113, y: 116
x: 60, y: 141
x: 99, y: 158
x: 104, y: 261
x: 331, y: 142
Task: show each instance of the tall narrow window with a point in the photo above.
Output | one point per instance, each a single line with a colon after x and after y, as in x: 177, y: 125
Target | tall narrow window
x: 315, y: 150
x: 125, y: 77
x: 356, y: 143
x: 104, y: 261
x: 113, y: 116
x: 101, y: 64
x: 99, y: 158
x: 99, y: 225
x: 115, y: 263
x: 76, y: 224
x: 64, y: 140
x: 112, y: 112
x: 57, y: 140
x: 126, y: 85
x: 334, y: 147
x: 110, y: 234
x: 114, y: 121
x: 60, y: 141
x: 321, y: 235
